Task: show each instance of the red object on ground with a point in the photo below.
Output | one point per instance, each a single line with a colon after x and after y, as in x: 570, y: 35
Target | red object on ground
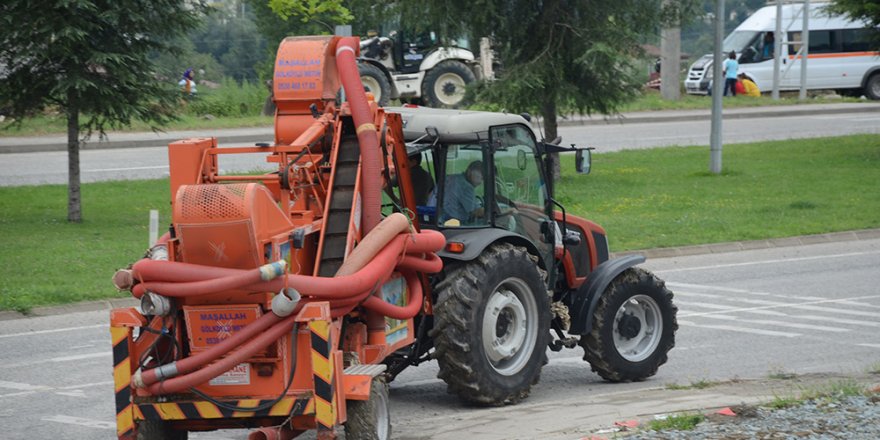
x: 726, y: 412
x: 627, y: 424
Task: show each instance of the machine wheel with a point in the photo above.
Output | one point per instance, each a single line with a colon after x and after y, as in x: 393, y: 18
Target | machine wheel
x: 158, y: 430
x: 492, y: 326
x: 375, y: 82
x: 872, y: 87
x: 634, y: 327
x: 444, y: 85
x: 370, y: 419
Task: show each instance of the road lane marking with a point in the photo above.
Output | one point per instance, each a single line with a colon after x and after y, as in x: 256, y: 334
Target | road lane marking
x: 57, y: 330
x: 733, y: 328
x: 734, y: 290
x: 80, y: 357
x: 90, y: 423
x: 23, y: 393
x: 801, y: 305
x: 869, y: 345
x: 23, y: 386
x: 837, y: 320
x: 779, y: 323
x: 774, y: 261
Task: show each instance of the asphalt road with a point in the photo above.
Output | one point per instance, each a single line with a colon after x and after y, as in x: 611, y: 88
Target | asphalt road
x: 152, y: 162
x: 747, y: 314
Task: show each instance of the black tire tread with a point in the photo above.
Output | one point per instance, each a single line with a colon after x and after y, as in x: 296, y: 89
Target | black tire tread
x: 367, y: 69
x: 361, y: 423
x: 159, y: 430
x: 453, y: 66
x: 600, y: 352
x: 458, y: 298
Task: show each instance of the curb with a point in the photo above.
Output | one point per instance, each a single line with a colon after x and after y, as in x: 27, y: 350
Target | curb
x: 736, y: 246
x: 703, y: 249
x: 701, y: 115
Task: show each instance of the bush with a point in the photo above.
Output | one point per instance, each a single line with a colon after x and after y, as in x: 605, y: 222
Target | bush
x: 230, y: 99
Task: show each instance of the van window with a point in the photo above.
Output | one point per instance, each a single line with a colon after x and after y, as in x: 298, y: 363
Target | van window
x: 820, y: 41
x: 855, y: 40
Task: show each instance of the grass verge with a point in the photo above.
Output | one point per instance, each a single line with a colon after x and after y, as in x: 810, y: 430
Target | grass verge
x: 677, y: 422
x: 643, y: 198
x: 666, y: 197
x: 57, y: 125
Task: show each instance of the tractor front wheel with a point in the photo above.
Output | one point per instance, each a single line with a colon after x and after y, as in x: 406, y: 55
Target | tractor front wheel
x: 633, y: 329
x: 492, y: 326
x: 370, y: 419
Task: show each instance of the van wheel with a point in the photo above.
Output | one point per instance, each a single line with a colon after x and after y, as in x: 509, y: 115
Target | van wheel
x: 872, y: 87
x: 444, y: 85
x: 375, y: 82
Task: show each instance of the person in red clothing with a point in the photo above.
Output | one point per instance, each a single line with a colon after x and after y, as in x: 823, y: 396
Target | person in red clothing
x: 740, y: 88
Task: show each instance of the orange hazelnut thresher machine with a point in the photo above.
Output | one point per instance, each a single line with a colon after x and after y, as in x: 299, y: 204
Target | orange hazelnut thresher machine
x: 274, y: 298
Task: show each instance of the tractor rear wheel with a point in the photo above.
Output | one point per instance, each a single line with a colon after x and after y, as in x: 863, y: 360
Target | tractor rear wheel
x: 492, y: 326
x: 370, y: 419
x: 634, y: 328
x: 159, y: 430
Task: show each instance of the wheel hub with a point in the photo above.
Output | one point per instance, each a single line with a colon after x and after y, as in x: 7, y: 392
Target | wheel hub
x: 638, y: 326
x: 629, y: 326
x: 508, y: 327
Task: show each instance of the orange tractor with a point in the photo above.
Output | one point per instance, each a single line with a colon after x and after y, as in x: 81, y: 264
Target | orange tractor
x: 286, y: 301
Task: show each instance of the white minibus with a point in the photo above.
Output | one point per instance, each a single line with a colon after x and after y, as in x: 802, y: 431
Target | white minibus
x: 840, y: 53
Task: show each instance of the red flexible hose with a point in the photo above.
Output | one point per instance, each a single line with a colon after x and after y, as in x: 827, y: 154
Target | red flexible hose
x: 346, y: 64
x: 198, y: 360
x: 180, y: 383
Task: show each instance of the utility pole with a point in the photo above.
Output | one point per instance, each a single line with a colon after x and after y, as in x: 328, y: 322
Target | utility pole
x: 670, y: 60
x: 717, y: 91
x: 777, y: 50
x: 805, y: 50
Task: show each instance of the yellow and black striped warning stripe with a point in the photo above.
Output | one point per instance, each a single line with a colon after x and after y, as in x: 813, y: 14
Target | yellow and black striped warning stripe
x: 207, y: 410
x: 121, y: 337
x: 322, y: 369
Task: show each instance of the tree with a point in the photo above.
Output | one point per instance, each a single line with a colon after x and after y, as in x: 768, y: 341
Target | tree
x: 575, y: 55
x: 91, y: 60
x: 868, y: 11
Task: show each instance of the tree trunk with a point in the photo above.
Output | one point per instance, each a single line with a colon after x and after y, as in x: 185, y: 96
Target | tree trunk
x: 74, y: 208
x: 548, y: 112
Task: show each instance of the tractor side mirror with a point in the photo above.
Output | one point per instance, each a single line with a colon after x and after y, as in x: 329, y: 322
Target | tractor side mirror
x: 583, y: 161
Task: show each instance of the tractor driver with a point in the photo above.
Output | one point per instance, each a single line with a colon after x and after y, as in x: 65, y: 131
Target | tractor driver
x: 459, y: 200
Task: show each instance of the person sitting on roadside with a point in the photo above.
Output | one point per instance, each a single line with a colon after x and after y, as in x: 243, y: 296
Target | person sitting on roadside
x: 749, y: 86
x: 459, y: 199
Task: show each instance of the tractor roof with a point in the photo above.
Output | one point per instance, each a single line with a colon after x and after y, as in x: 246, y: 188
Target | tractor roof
x: 454, y: 126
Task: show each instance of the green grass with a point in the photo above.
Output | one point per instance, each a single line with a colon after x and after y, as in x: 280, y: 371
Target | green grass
x: 666, y: 197
x: 697, y: 385
x: 57, y: 125
x: 874, y: 368
x: 827, y: 393
x: 678, y: 422
x: 644, y: 199
x: 46, y: 260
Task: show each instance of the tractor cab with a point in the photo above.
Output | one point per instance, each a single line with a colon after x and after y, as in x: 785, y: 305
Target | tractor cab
x: 489, y: 182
